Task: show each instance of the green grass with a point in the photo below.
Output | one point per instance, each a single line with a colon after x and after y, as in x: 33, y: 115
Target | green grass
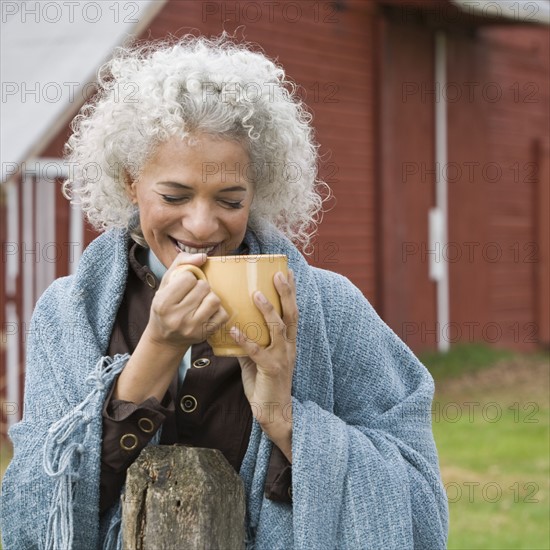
x: 462, y: 359
x: 493, y: 443
x: 496, y: 475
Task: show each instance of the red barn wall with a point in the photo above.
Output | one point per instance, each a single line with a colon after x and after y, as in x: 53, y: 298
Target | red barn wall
x: 497, y: 172
x: 518, y: 60
x: 498, y: 132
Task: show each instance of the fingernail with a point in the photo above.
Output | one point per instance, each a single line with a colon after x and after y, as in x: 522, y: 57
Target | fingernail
x: 282, y: 278
x: 261, y: 297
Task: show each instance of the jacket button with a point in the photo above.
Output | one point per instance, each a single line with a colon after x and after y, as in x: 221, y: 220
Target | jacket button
x: 289, y: 492
x: 188, y: 403
x: 146, y: 425
x: 201, y: 363
x: 150, y: 280
x: 128, y: 442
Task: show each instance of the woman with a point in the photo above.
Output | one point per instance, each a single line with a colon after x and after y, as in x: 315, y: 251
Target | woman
x: 209, y: 153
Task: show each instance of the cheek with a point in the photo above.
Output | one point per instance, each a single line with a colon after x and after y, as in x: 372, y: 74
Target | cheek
x: 240, y: 223
x: 153, y: 217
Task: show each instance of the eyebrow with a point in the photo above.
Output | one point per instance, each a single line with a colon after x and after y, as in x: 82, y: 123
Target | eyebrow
x: 177, y: 185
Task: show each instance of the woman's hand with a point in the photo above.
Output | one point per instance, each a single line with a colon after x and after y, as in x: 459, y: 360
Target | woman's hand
x: 267, y: 372
x: 184, y: 311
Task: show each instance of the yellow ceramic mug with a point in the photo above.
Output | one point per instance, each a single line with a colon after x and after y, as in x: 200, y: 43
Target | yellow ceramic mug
x: 235, y: 279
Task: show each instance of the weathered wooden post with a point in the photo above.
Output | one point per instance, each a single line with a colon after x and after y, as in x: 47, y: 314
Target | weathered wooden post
x: 182, y: 497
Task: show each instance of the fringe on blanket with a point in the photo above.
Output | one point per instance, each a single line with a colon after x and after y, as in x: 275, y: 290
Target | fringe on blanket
x: 64, y: 448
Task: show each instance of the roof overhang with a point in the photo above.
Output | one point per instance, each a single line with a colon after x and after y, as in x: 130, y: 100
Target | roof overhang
x: 49, y: 56
x: 531, y: 12
x: 468, y: 13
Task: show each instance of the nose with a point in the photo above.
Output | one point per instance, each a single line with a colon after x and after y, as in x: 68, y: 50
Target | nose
x: 200, y: 222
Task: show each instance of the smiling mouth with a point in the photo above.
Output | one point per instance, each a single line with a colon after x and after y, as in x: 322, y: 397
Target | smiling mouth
x: 192, y: 249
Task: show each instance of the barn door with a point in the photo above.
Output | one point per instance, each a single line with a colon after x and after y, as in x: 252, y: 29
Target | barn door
x: 406, y: 185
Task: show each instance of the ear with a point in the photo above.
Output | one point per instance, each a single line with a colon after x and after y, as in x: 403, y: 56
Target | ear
x: 130, y: 186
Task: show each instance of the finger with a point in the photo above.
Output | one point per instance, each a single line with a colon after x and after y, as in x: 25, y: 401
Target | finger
x: 211, y: 314
x: 171, y: 294
x: 183, y: 285
x: 249, y: 371
x: 217, y: 320
x: 286, y: 287
x: 273, y: 320
x: 251, y: 348
x: 183, y: 258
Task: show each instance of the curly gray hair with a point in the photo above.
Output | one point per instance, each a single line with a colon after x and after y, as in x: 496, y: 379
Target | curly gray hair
x: 149, y: 93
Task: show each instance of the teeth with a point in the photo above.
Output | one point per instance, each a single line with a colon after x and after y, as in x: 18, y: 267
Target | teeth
x: 193, y: 250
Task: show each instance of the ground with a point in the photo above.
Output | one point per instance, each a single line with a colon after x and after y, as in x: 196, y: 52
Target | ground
x: 492, y: 431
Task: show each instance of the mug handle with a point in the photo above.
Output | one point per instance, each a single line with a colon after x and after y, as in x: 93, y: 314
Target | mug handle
x: 196, y: 271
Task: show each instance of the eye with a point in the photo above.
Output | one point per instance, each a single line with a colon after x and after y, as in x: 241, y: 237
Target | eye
x: 232, y: 204
x: 172, y: 199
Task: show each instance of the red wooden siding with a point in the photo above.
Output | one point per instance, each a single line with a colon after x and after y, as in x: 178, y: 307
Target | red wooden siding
x: 518, y: 60
x: 497, y: 98
x: 469, y: 247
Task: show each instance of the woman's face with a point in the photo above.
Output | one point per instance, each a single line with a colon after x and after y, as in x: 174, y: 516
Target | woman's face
x: 194, y: 197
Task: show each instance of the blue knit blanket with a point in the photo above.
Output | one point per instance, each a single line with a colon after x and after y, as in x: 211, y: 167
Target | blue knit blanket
x: 365, y: 472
